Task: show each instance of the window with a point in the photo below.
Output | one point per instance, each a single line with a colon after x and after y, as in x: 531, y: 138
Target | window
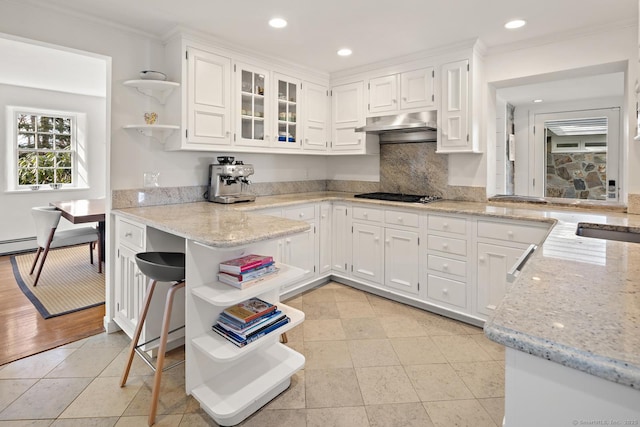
x: 47, y: 149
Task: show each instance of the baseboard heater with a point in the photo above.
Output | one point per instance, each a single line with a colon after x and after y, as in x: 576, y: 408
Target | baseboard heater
x: 14, y: 246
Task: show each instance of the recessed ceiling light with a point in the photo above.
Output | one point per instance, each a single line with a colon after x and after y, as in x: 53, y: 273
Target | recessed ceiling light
x: 516, y: 23
x: 345, y: 52
x: 537, y: 101
x: 278, y: 23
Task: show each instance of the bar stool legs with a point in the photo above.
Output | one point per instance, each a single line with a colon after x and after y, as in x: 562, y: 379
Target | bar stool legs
x: 155, y: 393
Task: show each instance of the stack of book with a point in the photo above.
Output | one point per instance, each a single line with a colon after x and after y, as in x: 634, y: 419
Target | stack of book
x: 249, y: 320
x: 246, y: 271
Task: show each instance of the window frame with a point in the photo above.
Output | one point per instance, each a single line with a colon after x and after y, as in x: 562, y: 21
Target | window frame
x: 77, y: 147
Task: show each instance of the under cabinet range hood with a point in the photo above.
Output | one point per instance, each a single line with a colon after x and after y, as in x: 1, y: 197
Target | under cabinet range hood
x: 405, y: 127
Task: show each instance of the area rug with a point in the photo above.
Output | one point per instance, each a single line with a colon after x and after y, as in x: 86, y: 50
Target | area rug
x: 68, y: 283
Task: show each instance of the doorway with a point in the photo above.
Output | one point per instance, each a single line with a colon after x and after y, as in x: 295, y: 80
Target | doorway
x: 577, y: 154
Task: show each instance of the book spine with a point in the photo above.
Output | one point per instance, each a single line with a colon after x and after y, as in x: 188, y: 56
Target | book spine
x: 257, y: 327
x: 241, y: 329
x: 252, y: 317
x: 241, y: 342
x: 268, y: 330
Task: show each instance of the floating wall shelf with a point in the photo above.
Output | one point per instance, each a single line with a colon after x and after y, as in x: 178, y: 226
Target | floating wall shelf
x: 157, y: 89
x: 158, y: 132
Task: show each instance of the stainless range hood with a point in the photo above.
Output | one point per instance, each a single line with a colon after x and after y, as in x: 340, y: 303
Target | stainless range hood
x: 405, y: 127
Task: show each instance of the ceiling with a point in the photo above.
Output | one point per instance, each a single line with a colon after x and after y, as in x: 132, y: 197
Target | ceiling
x: 374, y: 29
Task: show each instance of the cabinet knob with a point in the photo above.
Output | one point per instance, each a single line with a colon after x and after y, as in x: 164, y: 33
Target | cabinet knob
x: 445, y: 291
x: 323, y: 216
x: 445, y: 225
x: 306, y: 140
x: 404, y: 98
x: 227, y: 134
x: 288, y: 241
x: 445, y: 246
x: 400, y: 219
x: 481, y: 259
x: 375, y: 239
x: 359, y: 140
x: 128, y: 234
x: 445, y: 266
x: 387, y: 241
x: 301, y: 214
x: 510, y: 233
x: 394, y: 101
x: 365, y: 214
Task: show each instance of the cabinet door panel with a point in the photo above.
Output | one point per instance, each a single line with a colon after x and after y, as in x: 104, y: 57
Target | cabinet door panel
x: 383, y: 94
x: 209, y: 99
x: 368, y: 252
x: 316, y: 117
x: 401, y: 260
x: 494, y: 262
x: 300, y: 251
x: 252, y: 106
x: 347, y: 110
x: 340, y: 239
x: 287, y: 112
x: 417, y: 89
x: 324, y: 238
x: 455, y: 107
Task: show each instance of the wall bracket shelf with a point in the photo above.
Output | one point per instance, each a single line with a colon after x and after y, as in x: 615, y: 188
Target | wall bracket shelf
x: 157, y: 132
x: 156, y: 89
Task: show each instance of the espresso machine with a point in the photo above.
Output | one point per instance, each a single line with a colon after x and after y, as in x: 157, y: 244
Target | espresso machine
x: 228, y: 181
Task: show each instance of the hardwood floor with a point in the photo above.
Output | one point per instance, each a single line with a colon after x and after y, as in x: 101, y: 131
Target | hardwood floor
x: 24, y: 332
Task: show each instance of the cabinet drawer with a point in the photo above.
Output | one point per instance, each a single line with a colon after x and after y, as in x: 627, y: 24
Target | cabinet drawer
x: 402, y: 218
x: 448, y: 291
x: 303, y: 213
x: 447, y: 265
x: 131, y: 235
x: 447, y: 245
x: 448, y: 224
x: 367, y: 214
x: 511, y: 232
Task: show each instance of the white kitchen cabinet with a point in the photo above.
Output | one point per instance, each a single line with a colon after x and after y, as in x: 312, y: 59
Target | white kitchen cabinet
x: 299, y: 250
x: 252, y: 104
x: 367, y: 252
x: 494, y: 261
x: 316, y: 117
x: 324, y: 239
x: 401, y: 260
x: 340, y: 238
x: 231, y: 382
x: 347, y: 109
x: 412, y: 90
x: 383, y: 94
x: 454, y: 112
x: 286, y: 112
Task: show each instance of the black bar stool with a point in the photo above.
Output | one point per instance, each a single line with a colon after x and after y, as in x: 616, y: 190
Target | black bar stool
x: 158, y: 267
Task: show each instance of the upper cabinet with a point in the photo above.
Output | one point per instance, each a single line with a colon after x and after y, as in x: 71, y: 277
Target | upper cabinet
x: 347, y: 110
x: 253, y: 95
x: 411, y: 90
x: 316, y: 117
x: 456, y: 125
x: 287, y: 112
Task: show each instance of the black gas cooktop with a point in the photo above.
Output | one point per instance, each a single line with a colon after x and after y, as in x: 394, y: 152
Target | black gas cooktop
x: 398, y: 197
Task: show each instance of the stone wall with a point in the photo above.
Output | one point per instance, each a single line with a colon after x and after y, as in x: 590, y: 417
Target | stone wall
x: 576, y: 175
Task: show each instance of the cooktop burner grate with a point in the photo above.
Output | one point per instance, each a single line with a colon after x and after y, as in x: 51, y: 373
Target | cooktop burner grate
x: 398, y: 197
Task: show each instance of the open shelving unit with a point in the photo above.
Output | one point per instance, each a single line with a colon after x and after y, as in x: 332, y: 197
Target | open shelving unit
x: 156, y: 89
x: 228, y: 381
x: 159, y: 132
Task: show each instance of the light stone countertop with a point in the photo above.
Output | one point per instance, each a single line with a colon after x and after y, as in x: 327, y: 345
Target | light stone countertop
x: 576, y: 301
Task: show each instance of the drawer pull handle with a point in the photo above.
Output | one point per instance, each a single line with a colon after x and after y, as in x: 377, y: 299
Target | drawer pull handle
x: 128, y: 234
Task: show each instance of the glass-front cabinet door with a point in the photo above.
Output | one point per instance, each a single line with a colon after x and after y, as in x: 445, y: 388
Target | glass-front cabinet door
x: 287, y: 118
x: 252, y: 86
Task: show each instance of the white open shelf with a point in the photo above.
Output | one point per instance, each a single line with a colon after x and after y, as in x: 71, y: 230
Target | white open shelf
x: 236, y: 393
x: 223, y: 295
x: 222, y: 350
x: 159, y: 132
x: 157, y: 89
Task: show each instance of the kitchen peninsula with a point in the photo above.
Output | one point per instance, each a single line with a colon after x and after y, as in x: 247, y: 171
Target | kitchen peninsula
x: 571, y: 316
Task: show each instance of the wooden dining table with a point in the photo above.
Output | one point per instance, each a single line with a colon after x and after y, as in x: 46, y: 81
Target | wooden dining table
x: 84, y: 211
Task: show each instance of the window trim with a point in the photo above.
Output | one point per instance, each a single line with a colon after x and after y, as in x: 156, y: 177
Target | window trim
x: 79, y: 156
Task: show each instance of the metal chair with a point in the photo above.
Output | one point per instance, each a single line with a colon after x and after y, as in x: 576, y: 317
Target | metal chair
x: 158, y: 267
x: 47, y: 237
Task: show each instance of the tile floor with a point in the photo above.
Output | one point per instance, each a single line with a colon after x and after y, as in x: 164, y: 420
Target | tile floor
x: 370, y: 362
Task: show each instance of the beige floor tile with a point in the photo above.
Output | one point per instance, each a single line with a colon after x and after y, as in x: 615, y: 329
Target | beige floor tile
x: 472, y: 330
x: 355, y: 309
x: 293, y: 397
x: 495, y: 350
x: 332, y: 388
x: 322, y: 294
x: 417, y: 351
x: 396, y: 327
x: 350, y: 294
x: 327, y: 354
x: 484, y: 379
x: 323, y: 330
x: 337, y: 417
x: 115, y: 340
x: 335, y: 285
x: 398, y: 415
x: 85, y: 362
x: 103, y: 398
x: 197, y: 419
x: 86, y: 422
x: 383, y: 307
x: 45, y: 399
x: 279, y: 417
x: 296, y: 334
x: 387, y: 384
x: 495, y: 407
x: 437, y: 381
x: 458, y: 413
x: 295, y: 301
x: 36, y: 366
x: 296, y: 345
x: 26, y: 423
x: 141, y: 421
x: 320, y: 310
x: 115, y: 368
x: 460, y: 348
x: 372, y: 353
x: 172, y: 400
x: 363, y: 328
x: 76, y: 344
x: 10, y: 390
x: 434, y: 324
